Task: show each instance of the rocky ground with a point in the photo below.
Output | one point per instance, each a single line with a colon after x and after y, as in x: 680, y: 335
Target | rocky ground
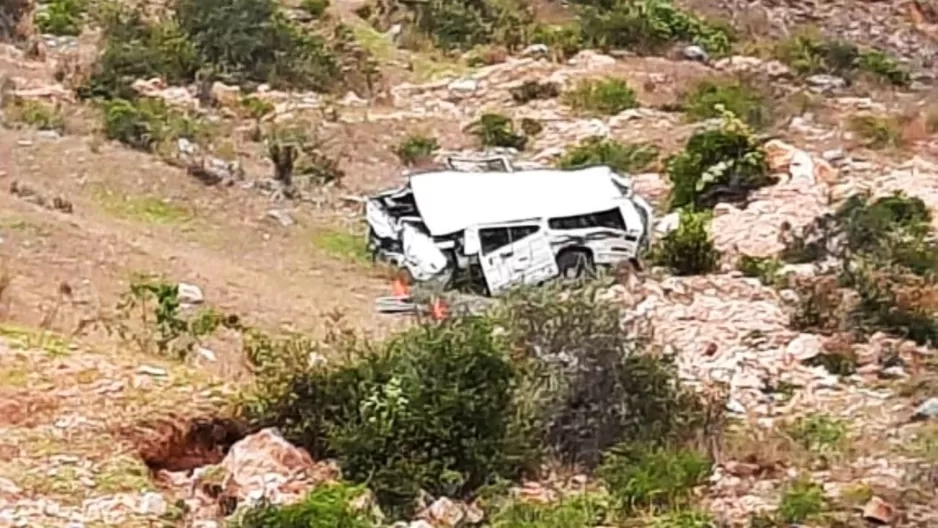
x: 82, y: 216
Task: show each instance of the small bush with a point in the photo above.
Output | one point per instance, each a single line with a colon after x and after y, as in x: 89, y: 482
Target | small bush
x: 877, y: 132
x: 295, y: 152
x: 601, y: 97
x: 648, y: 27
x: 496, y: 130
x: 684, y: 519
x: 622, y: 158
x: 818, y: 432
x: 34, y: 113
x: 327, y: 506
x: 718, y: 164
x: 61, y: 17
x: 801, y: 501
x: 146, y: 124
x: 531, y: 90
x: 765, y: 268
x: 416, y: 147
x: 688, y: 250
x: 751, y: 105
x: 808, y: 54
x: 657, y: 479
x: 563, y: 41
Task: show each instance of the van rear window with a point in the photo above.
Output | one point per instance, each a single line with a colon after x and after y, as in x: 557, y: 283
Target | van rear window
x: 611, y: 219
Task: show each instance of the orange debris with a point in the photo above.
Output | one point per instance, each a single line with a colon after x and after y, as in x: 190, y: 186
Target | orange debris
x: 400, y: 289
x: 438, y: 309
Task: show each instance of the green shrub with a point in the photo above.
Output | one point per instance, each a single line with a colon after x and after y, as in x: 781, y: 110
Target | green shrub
x: 688, y: 250
x: 531, y: 90
x: 684, y: 519
x: 808, y: 54
x: 238, y: 41
x: 61, y: 17
x: 718, y: 164
x: 430, y: 409
x: 657, y: 479
x: 33, y: 113
x: 622, y: 158
x: 594, y: 383
x: 583, y: 511
x: 416, y: 147
x: 648, y: 27
x: 146, y: 123
x: 801, y: 501
x: 601, y: 97
x: 751, y: 105
x: 327, y: 506
x: 818, y: 432
x: 496, y: 130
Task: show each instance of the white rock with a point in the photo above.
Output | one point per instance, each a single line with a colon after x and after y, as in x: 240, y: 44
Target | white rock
x: 190, y: 294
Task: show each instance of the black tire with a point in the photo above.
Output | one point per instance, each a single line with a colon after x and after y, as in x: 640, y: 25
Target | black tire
x: 575, y: 264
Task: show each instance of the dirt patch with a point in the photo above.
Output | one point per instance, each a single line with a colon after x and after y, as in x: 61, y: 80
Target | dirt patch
x: 181, y: 444
x: 20, y: 408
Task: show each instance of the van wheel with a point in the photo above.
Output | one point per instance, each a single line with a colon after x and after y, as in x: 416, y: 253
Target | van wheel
x: 575, y: 264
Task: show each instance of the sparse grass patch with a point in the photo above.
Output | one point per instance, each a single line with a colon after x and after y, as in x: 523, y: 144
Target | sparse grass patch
x: 61, y: 17
x: 144, y: 209
x: 877, y: 132
x: 601, y: 96
x: 622, y: 158
x: 742, y: 99
x: 574, y: 512
x: 34, y: 113
x: 342, y: 245
x: 33, y: 339
x: 688, y: 250
x: 297, y: 152
x: 416, y: 147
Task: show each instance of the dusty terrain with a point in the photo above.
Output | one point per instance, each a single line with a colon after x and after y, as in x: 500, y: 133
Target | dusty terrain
x: 67, y: 396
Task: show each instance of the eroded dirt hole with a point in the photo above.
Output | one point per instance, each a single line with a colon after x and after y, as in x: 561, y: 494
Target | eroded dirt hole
x: 184, y: 444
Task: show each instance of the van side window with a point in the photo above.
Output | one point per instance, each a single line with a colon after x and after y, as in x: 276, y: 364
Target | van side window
x: 611, y: 219
x: 494, y: 238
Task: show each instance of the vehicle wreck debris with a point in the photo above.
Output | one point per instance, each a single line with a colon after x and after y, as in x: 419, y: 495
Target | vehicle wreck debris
x: 489, y: 227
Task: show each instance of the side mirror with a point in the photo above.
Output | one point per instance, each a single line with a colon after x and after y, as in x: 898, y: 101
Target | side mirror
x: 471, y: 244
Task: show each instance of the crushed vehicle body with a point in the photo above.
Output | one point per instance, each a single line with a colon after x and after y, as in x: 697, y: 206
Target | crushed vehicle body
x: 505, y: 228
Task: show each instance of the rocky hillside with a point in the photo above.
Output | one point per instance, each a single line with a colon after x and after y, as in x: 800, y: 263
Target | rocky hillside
x: 771, y: 367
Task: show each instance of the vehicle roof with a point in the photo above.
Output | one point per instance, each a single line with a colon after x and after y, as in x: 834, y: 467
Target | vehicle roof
x: 451, y: 201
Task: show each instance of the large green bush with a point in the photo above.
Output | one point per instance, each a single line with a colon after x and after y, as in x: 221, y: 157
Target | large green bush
x: 719, y: 164
x: 431, y: 409
x: 749, y: 103
x: 238, y: 41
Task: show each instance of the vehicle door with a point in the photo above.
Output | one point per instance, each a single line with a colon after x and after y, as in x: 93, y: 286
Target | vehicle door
x: 515, y: 254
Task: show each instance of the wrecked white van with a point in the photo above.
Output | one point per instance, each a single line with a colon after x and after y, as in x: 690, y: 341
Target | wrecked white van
x: 508, y: 228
